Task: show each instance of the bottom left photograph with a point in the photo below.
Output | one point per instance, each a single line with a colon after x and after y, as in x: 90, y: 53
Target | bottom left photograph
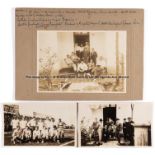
x: 40, y: 124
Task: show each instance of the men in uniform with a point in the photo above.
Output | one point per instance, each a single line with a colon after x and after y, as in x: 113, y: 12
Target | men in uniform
x: 60, y: 130
x: 22, y: 124
x: 36, y: 134
x: 14, y: 123
x: 32, y: 124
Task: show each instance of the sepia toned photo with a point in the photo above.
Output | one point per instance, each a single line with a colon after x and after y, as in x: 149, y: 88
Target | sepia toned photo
x: 115, y: 124
x: 81, y: 61
x: 40, y: 124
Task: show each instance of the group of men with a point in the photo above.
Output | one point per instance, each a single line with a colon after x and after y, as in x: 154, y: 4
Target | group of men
x: 36, y: 130
x: 82, y: 60
x: 100, y: 132
x: 84, y: 52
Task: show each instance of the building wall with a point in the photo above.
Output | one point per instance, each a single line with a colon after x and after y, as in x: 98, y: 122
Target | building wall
x: 65, y: 46
x: 142, y: 114
x: 62, y: 43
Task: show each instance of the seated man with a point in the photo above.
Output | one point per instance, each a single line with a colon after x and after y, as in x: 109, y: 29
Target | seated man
x: 83, y: 68
x: 68, y: 61
x: 17, y: 135
x: 75, y: 60
x: 36, y: 135
x: 27, y: 134
x: 44, y: 134
x: 53, y: 130
x: 91, y: 65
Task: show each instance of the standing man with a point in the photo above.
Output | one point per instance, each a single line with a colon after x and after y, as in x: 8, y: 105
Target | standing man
x: 78, y: 50
x: 32, y: 124
x: 125, y: 129
x: 93, y: 55
x: 95, y: 131
x: 47, y: 123
x: 100, y: 131
x: 51, y: 131
x: 130, y: 131
x: 22, y: 124
x: 119, y: 131
x: 60, y: 130
x: 40, y: 124
x: 86, y: 53
x: 14, y: 123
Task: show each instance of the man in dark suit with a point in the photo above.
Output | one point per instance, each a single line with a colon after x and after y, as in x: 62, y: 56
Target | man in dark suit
x: 130, y: 131
x: 86, y: 53
x: 125, y: 129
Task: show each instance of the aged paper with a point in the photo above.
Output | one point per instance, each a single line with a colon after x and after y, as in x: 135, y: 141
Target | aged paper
x: 68, y: 54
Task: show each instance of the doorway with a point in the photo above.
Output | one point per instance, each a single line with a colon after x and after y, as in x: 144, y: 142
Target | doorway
x: 81, y: 38
x: 109, y: 113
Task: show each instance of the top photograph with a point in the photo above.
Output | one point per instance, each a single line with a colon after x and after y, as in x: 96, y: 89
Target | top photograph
x: 83, y: 54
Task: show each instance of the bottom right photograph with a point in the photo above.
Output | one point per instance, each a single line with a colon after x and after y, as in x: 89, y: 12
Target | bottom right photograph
x: 114, y: 124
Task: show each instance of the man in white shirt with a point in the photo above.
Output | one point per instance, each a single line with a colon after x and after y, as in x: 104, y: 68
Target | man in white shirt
x: 14, y: 122
x: 40, y: 124
x: 47, y: 123
x: 44, y: 134
x: 16, y: 135
x: 60, y: 127
x: 82, y: 67
x: 32, y: 124
x: 36, y: 135
x: 53, y: 133
x: 27, y: 134
x: 22, y: 125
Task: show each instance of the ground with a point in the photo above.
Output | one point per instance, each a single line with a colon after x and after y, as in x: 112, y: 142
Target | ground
x: 68, y: 140
x: 110, y: 143
x: 82, y: 85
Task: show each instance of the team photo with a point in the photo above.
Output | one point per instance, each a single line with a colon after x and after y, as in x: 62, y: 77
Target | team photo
x: 23, y: 126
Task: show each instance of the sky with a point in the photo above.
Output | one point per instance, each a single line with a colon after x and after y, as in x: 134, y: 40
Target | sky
x: 64, y: 110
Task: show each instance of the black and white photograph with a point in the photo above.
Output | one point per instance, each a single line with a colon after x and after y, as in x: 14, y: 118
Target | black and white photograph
x: 43, y: 124
x: 114, y: 124
x: 81, y: 61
